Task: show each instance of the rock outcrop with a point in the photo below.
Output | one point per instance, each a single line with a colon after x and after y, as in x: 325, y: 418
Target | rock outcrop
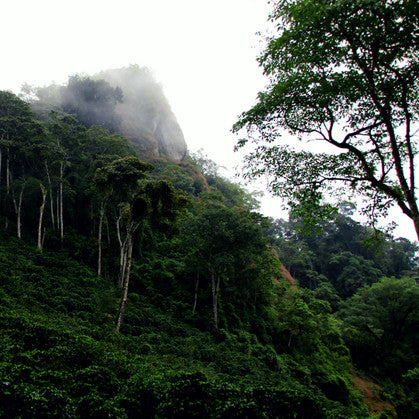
x: 146, y: 117
x: 170, y: 138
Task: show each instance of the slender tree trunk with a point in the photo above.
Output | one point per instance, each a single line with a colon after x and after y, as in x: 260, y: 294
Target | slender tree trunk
x: 57, y: 206
x: 19, y: 212
x: 51, y: 196
x: 108, y: 236
x: 1, y: 161
x: 215, y: 284
x: 6, y: 220
x: 126, y: 281
x: 122, y: 252
x: 7, y: 173
x: 416, y: 221
x: 43, y: 238
x: 41, y: 214
x: 61, y: 201
x: 196, y: 293
x: 99, y: 239
x: 18, y: 208
x: 289, y: 340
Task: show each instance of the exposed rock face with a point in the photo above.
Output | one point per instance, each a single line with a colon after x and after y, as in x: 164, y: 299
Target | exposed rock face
x: 170, y: 138
x: 147, y: 120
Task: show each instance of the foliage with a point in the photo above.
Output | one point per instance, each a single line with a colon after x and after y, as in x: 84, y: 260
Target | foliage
x: 338, y: 256
x: 380, y: 324
x: 273, y: 349
x: 93, y: 102
x: 345, y: 74
x: 59, y: 354
x: 380, y: 327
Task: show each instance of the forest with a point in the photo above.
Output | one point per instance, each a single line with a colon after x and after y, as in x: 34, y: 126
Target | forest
x: 135, y: 284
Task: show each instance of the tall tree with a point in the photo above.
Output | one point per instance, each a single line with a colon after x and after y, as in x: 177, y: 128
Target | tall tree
x: 119, y: 181
x: 345, y: 74
x: 65, y: 134
x: 220, y: 242
x: 157, y: 203
x: 123, y: 181
x: 21, y: 136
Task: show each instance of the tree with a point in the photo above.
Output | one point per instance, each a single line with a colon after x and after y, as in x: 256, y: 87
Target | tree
x: 349, y: 272
x: 65, y: 132
x: 345, y: 74
x: 92, y: 101
x: 44, y: 192
x: 21, y: 137
x: 380, y: 326
x: 119, y: 180
x: 221, y: 242
x: 137, y: 199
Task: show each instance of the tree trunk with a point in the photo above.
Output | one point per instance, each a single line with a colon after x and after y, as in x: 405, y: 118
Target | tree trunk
x: 6, y: 220
x: 126, y: 280
x: 41, y: 215
x: 99, y: 240
x: 7, y: 173
x: 51, y: 197
x: 61, y: 201
x: 196, y: 293
x: 1, y: 159
x: 108, y: 236
x: 19, y: 213
x: 215, y: 284
x: 18, y: 208
x: 289, y: 340
x: 122, y: 253
x: 57, y: 207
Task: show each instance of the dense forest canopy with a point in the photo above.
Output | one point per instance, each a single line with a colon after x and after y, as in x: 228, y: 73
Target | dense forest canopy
x: 174, y: 258
x: 136, y: 284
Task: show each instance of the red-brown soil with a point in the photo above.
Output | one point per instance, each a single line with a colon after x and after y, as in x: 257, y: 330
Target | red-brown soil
x: 371, y: 393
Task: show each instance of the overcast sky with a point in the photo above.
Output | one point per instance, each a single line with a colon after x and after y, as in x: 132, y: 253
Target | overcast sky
x: 202, y: 52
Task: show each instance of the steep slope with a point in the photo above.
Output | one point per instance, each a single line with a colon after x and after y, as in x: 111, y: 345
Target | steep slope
x: 126, y: 101
x: 60, y: 356
x: 145, y: 112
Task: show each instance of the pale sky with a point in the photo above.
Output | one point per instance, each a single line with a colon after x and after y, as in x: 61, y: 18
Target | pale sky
x: 202, y: 52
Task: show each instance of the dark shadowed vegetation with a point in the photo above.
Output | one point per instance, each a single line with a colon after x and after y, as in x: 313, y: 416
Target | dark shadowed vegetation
x: 136, y: 281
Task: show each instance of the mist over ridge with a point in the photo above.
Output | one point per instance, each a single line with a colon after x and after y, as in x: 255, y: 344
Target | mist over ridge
x: 145, y: 111
x: 126, y: 101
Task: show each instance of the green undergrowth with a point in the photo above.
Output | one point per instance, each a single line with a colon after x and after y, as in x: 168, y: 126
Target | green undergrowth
x: 60, y: 356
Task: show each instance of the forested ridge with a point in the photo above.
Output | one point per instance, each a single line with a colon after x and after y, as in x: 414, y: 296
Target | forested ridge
x: 154, y: 288
x: 137, y: 281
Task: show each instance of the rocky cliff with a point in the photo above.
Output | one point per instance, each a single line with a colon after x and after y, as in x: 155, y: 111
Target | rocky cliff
x: 146, y: 117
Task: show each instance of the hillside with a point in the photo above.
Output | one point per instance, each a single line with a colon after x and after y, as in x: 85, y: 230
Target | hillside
x: 60, y: 355
x: 155, y: 289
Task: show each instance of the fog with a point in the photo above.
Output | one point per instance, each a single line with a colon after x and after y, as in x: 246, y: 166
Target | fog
x: 126, y: 101
x: 201, y: 54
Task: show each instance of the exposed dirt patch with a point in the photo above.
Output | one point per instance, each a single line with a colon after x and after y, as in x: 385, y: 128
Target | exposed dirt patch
x: 284, y: 271
x: 371, y: 393
x: 288, y: 276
